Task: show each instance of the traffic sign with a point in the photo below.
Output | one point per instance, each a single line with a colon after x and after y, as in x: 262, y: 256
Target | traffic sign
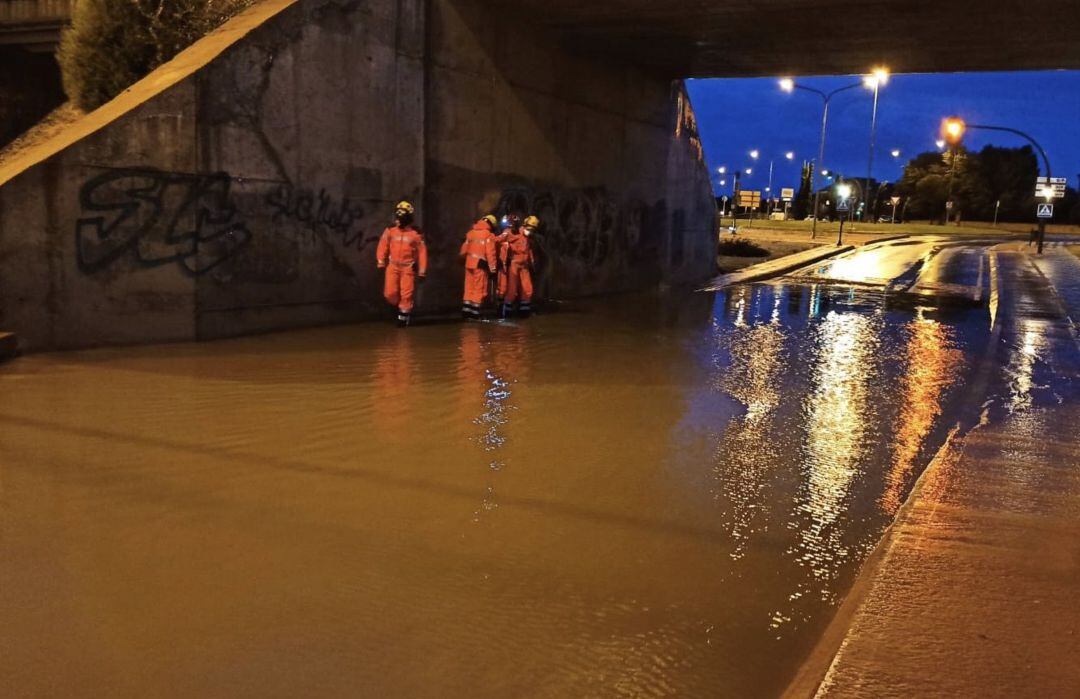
x: 895, y: 200
x: 948, y: 205
x: 1058, y: 191
x: 1046, y: 211
x: 1053, y: 180
x: 748, y: 198
x: 787, y: 193
x: 842, y: 205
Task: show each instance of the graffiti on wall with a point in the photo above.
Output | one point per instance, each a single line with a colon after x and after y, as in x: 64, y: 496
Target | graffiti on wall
x: 319, y: 212
x: 587, y: 226
x: 198, y: 221
x: 160, y: 218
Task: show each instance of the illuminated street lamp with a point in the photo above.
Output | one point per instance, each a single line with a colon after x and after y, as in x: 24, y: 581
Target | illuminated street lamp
x: 843, y: 193
x: 895, y: 153
x: 954, y: 128
x: 789, y: 85
x: 754, y: 154
x: 877, y: 78
x: 722, y: 169
x: 940, y: 144
x: 749, y: 171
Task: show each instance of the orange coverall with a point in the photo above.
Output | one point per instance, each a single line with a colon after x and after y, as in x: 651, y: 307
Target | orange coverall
x: 500, y: 250
x: 403, y: 253
x: 518, y: 261
x: 480, y: 257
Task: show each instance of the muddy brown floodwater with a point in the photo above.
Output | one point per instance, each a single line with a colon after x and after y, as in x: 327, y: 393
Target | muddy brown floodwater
x: 641, y: 496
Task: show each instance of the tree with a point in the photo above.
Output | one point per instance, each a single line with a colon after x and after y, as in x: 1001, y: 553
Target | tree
x: 113, y: 43
x: 804, y: 199
x: 978, y: 182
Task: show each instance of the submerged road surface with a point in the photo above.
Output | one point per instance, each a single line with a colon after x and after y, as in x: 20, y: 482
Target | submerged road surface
x: 641, y: 496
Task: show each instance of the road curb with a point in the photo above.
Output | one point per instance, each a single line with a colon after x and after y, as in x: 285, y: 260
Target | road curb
x: 826, y: 653
x: 774, y: 268
x: 9, y: 346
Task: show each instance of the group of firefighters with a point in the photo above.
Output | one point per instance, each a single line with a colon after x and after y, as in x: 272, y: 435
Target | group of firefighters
x: 499, y: 251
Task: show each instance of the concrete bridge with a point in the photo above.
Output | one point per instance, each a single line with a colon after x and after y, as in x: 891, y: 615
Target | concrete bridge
x: 241, y: 187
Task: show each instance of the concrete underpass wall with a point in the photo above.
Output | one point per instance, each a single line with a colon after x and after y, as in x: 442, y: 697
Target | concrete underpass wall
x: 247, y: 196
x: 600, y: 152
x: 243, y: 186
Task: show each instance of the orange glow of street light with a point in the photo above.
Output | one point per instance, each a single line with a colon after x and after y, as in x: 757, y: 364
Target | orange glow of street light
x: 953, y: 129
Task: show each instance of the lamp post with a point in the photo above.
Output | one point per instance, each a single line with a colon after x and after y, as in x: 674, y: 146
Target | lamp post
x: 755, y: 154
x: 843, y: 192
x: 874, y: 81
x: 789, y: 85
x: 954, y: 129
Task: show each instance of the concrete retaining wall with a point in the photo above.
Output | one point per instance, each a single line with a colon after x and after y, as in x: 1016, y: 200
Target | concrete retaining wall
x: 243, y: 186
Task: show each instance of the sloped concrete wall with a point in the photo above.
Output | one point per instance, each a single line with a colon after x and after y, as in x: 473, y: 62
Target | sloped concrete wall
x: 247, y: 196
x: 249, y: 193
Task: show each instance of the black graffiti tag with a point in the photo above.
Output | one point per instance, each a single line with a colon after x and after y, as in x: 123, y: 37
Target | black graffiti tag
x: 318, y: 212
x: 159, y: 217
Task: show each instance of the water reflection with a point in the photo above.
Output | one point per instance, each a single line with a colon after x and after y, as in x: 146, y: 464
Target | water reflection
x: 932, y: 364
x: 753, y: 378
x: 392, y: 387
x: 840, y: 418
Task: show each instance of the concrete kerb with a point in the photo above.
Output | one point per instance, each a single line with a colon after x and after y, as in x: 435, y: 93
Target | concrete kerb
x: 774, y: 268
x: 816, y: 668
x: 823, y: 657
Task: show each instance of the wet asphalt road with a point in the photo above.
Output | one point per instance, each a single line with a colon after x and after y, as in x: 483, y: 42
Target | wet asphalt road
x: 651, y: 495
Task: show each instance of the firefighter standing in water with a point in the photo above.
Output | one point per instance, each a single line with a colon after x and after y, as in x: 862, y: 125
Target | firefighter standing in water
x: 481, y: 259
x: 403, y: 253
x: 517, y: 258
x: 508, y: 224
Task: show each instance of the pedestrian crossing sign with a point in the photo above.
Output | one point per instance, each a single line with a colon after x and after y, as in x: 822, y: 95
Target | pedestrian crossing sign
x: 842, y: 205
x: 1046, y: 211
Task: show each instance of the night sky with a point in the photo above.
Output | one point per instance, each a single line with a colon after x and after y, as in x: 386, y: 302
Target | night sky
x: 738, y: 115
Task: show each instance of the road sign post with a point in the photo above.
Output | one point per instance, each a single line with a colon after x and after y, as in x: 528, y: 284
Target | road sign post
x: 894, y: 201
x: 842, y: 207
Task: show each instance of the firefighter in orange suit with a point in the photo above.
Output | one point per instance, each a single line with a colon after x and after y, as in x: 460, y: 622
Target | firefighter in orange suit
x: 508, y: 224
x: 478, y: 253
x: 518, y: 261
x: 403, y: 254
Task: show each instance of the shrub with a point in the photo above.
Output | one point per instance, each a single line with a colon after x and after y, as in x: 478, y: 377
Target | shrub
x: 113, y: 43
x: 740, y: 248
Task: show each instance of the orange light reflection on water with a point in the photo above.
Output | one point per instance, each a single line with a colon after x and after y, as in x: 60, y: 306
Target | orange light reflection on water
x: 931, y: 365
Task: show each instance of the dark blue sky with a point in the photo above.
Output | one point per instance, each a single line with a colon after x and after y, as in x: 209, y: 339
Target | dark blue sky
x: 737, y: 115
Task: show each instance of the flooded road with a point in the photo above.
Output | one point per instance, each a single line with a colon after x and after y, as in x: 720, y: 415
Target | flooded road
x: 641, y: 496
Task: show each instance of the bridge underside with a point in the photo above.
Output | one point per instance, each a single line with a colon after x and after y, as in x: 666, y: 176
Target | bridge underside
x: 729, y: 38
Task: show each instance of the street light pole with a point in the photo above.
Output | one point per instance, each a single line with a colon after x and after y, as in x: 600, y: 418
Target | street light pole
x: 879, y: 78
x: 954, y: 129
x: 789, y: 85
